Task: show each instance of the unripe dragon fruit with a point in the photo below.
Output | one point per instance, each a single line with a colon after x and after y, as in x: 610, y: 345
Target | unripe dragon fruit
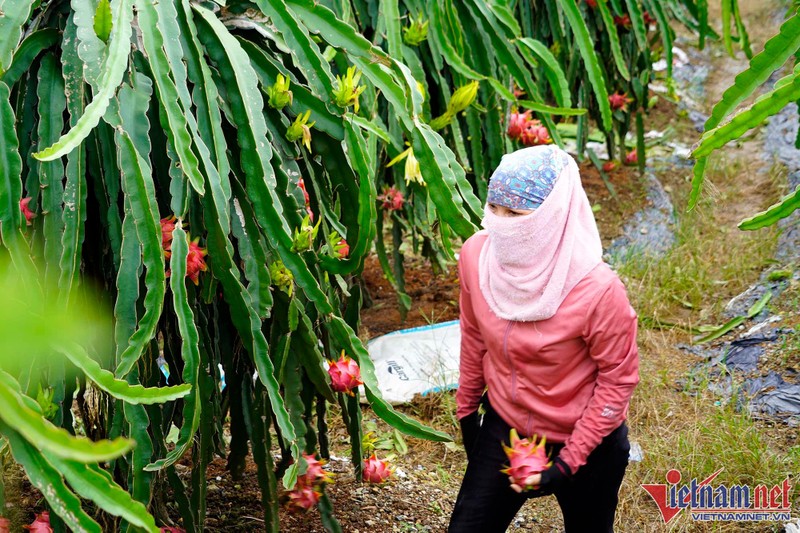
x: 528, y: 458
x: 345, y: 375
x: 619, y: 101
x: 41, y: 524
x: 376, y: 470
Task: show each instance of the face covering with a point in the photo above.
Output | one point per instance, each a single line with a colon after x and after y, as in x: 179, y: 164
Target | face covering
x: 530, y: 263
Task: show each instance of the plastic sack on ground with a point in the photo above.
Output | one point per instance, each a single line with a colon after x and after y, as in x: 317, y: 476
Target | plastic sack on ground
x: 416, y: 360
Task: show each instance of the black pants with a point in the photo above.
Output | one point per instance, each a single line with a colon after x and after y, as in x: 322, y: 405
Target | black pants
x: 486, y: 503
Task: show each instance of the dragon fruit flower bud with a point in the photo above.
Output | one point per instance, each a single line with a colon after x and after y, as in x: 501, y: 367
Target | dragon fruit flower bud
x: 416, y: 31
x: 376, y: 470
x: 282, y: 277
x: 346, y: 89
x: 279, y: 93
x: 303, y: 498
x: 26, y: 211
x: 345, y: 374
x: 463, y: 98
x: 301, y: 129
x: 304, y: 235
x: 527, y: 457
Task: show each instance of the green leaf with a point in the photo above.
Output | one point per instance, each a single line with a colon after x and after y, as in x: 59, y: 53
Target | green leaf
x: 766, y: 105
x: 48, y: 480
x: 190, y: 354
x: 590, y: 59
x: 785, y: 207
x: 613, y: 39
x: 74, y: 213
x: 552, y: 69
x: 33, y: 45
x: 135, y: 394
x: 137, y: 183
x: 102, y: 21
x: 14, y: 16
x: 172, y: 107
x: 52, y: 102
x: 95, y: 484
x: 110, y: 79
x: 18, y: 415
x: 541, y: 108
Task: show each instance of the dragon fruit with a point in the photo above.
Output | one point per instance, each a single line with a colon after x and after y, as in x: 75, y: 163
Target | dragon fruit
x: 527, y: 458
x: 623, y: 21
x: 517, y: 123
x: 303, y: 497
x: 631, y: 158
x: 167, y: 227
x: 26, y: 211
x: 315, y: 474
x: 535, y: 134
x: 619, y: 101
x: 5, y: 525
x: 345, y: 375
x: 608, y: 166
x: 171, y: 529
x: 195, y: 261
x: 342, y: 249
x: 41, y: 524
x: 592, y: 3
x: 391, y: 199
x: 376, y: 470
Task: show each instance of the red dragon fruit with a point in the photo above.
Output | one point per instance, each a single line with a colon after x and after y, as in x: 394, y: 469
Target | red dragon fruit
x: 167, y: 227
x: 41, y: 524
x: 619, y: 101
x: 171, y: 529
x: 631, y: 158
x: 345, y: 375
x: 315, y: 474
x: 376, y: 470
x: 392, y: 199
x: 527, y: 458
x: 517, y: 123
x: 535, y: 134
x: 342, y: 249
x: 26, y: 211
x: 592, y: 3
x: 608, y: 166
x: 623, y: 21
x: 195, y: 261
x: 5, y: 525
x: 303, y: 497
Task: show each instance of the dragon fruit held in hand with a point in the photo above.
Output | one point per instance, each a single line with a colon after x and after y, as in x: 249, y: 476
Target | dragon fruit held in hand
x: 376, y: 470
x: 41, y: 524
x: 345, y: 375
x: 528, y: 458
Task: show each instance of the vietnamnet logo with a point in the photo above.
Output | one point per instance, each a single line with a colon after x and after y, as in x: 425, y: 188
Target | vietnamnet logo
x: 707, y: 502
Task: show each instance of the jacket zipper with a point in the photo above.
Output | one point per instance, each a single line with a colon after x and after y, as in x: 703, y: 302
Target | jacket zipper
x: 510, y: 364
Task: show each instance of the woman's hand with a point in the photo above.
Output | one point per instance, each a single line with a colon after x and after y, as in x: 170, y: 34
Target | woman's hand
x: 551, y: 479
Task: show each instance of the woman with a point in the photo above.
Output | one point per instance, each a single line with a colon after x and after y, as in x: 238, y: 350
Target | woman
x: 548, y: 347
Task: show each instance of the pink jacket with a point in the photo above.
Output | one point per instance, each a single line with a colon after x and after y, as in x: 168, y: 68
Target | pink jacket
x: 569, y: 377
